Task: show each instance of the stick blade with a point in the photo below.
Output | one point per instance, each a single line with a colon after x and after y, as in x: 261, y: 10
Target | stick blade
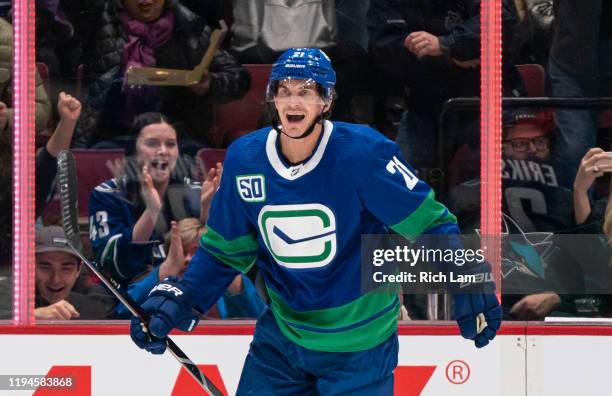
x: 67, y: 183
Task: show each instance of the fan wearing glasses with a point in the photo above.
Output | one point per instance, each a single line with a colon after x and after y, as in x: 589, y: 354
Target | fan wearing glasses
x: 534, y: 198
x: 527, y: 135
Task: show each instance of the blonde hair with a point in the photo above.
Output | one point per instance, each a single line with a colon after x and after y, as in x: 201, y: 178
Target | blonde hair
x: 190, y: 229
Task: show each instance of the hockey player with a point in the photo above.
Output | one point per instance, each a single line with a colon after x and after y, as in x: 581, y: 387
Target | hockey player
x: 294, y: 200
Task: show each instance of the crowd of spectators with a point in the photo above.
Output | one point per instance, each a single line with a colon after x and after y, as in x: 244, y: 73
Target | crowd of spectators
x: 145, y: 221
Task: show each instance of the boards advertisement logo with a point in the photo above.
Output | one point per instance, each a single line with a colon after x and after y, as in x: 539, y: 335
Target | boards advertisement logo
x: 409, y: 380
x: 299, y: 236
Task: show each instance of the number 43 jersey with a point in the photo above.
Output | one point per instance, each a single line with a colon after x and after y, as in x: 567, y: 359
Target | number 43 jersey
x: 302, y: 225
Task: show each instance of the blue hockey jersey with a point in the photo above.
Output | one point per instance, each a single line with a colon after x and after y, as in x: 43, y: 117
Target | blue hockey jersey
x: 114, y: 208
x: 302, y: 225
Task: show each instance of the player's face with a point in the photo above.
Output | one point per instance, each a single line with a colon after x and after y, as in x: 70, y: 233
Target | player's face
x: 527, y: 141
x: 56, y: 274
x: 157, y: 148
x: 298, y: 104
x: 144, y: 10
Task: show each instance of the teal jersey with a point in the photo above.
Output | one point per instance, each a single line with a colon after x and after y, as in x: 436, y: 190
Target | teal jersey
x: 302, y: 225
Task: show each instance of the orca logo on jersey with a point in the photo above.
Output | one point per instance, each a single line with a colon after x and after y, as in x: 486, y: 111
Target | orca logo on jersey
x: 252, y: 188
x: 299, y: 236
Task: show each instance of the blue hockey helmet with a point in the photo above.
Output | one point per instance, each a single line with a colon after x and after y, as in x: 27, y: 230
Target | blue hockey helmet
x: 310, y: 64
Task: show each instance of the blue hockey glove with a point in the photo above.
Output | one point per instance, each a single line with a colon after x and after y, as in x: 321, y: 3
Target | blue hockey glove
x: 478, y: 316
x: 169, y: 307
x: 142, y: 338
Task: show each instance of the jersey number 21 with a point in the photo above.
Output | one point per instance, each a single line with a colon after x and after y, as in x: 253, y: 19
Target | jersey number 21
x: 396, y: 165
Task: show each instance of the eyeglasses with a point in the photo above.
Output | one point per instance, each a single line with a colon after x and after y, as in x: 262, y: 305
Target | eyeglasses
x: 520, y: 145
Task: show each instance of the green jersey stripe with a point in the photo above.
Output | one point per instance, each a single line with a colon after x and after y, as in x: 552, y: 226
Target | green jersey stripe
x: 242, y: 264
x: 421, y: 219
x: 361, y: 324
x: 445, y: 218
x: 239, y: 253
x: 240, y: 245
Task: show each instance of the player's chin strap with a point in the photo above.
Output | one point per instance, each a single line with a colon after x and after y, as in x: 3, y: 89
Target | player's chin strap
x: 276, y: 123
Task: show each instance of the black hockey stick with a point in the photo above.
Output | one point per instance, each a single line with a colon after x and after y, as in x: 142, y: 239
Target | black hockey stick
x: 67, y: 182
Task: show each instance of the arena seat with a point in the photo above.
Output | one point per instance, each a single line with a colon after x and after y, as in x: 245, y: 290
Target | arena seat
x: 533, y: 76
x: 92, y: 170
x: 605, y: 119
x: 236, y: 118
x: 209, y: 157
x: 43, y: 136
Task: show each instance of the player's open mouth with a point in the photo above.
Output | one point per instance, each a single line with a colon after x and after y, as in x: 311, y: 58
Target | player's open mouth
x: 295, y: 117
x: 55, y: 290
x: 159, y: 165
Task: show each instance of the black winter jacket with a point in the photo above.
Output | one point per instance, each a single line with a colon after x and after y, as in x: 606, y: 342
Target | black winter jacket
x: 183, y: 50
x: 579, y: 27
x: 432, y: 80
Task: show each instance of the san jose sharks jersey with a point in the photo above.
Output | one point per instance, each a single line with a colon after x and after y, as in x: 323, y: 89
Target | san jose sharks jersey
x: 534, y: 196
x: 302, y: 225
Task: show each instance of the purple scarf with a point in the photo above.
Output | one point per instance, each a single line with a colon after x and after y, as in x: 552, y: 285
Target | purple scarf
x: 143, y: 38
x: 139, y: 51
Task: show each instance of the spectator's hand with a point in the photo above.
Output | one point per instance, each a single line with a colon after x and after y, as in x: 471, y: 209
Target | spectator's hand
x: 116, y: 167
x: 203, y: 87
x: 61, y: 310
x: 468, y: 64
x: 149, y: 193
x: 423, y: 44
x: 594, y: 164
x: 175, y: 262
x: 68, y: 107
x: 535, y: 306
x: 209, y: 188
x: 3, y: 116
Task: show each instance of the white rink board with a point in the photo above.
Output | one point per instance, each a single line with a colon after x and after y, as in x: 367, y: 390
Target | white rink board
x: 499, y: 367
x: 555, y: 365
x: 569, y: 365
x: 114, y: 359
